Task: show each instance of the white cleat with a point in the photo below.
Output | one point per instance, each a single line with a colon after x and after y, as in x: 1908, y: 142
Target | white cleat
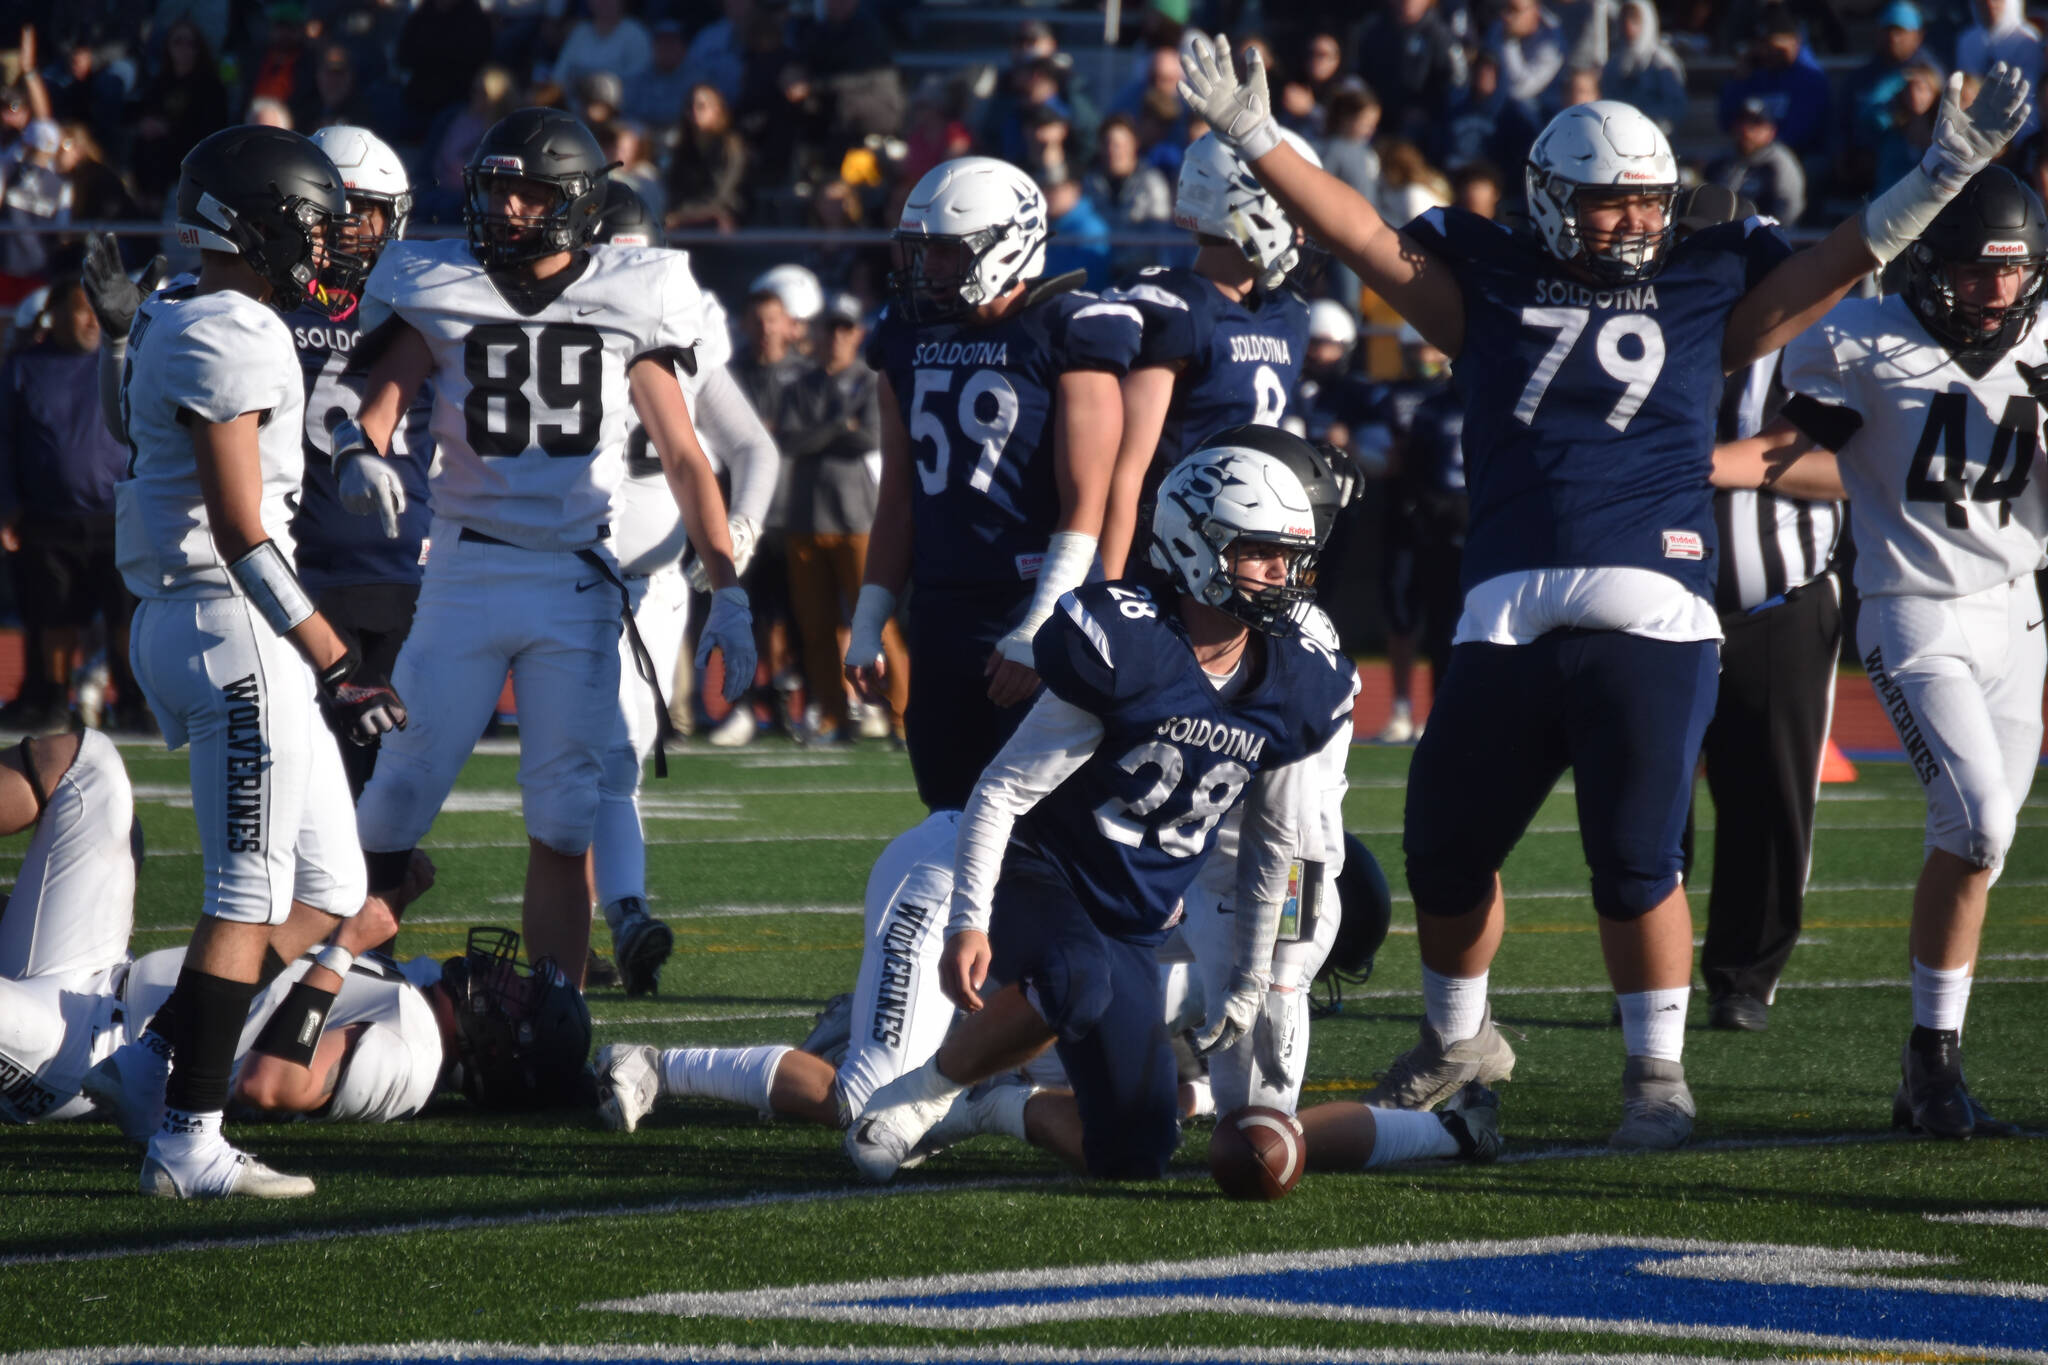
x: 1656, y: 1107
x: 128, y: 1087
x: 883, y: 1138
x: 628, y: 1084
x: 217, y: 1171
x: 1399, y: 729
x: 737, y: 729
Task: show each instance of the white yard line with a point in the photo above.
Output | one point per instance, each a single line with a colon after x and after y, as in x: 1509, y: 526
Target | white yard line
x: 981, y: 1353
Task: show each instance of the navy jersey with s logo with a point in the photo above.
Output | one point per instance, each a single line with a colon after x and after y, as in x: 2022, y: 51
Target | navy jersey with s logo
x: 1589, y: 409
x: 978, y: 403
x: 1130, y: 827
x: 1238, y: 362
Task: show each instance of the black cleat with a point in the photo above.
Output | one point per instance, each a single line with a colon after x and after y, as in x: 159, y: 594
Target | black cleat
x: 1932, y: 1097
x: 641, y: 944
x: 599, y: 971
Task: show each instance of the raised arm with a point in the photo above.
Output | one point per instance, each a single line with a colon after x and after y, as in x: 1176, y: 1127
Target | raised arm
x: 1241, y: 114
x: 1807, y: 284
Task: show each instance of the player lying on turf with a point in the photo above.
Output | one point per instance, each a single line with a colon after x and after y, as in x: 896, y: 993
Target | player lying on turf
x: 1924, y: 410
x: 1588, y: 639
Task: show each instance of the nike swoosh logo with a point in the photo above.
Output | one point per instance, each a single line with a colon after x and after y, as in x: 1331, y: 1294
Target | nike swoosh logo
x: 586, y: 587
x: 586, y: 312
x: 2036, y: 625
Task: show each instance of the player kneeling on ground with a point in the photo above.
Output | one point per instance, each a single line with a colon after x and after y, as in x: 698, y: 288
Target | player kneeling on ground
x: 1953, y: 368
x: 1159, y: 715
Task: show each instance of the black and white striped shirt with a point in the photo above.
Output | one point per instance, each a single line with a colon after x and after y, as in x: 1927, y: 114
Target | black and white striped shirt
x: 1769, y: 544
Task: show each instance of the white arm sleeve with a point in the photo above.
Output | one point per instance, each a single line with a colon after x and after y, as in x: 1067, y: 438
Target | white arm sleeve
x: 731, y: 431
x: 113, y: 356
x: 1272, y: 836
x: 1054, y: 740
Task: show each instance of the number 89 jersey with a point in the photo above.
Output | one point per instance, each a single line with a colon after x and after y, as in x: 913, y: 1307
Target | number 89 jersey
x: 1938, y: 463
x: 978, y: 402
x: 531, y: 407
x: 1589, y: 409
x: 1133, y: 824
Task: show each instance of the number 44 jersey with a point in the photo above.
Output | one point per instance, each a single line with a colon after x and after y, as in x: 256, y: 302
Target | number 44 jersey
x: 531, y: 406
x: 1589, y: 408
x: 1938, y: 462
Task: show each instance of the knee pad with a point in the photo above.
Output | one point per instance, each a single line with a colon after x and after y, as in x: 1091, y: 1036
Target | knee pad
x: 561, y: 818
x: 1071, y: 987
x: 1621, y: 897
x: 619, y: 776
x: 1448, y: 888
x: 1984, y: 841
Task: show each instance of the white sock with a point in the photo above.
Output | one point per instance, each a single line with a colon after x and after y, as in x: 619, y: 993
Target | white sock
x: 1408, y: 1135
x: 738, y: 1075
x: 925, y: 1083
x: 615, y: 911
x: 1941, y: 996
x: 1402, y: 710
x: 1653, y: 1022
x: 184, y: 1131
x: 1455, y: 1006
x: 618, y: 851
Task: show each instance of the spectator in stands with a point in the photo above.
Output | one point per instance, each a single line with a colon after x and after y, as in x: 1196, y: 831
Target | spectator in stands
x: 1303, y: 97
x: 1762, y: 169
x: 492, y: 95
x: 718, y: 54
x: 182, y: 103
x: 1409, y: 185
x: 936, y: 131
x: 58, y: 465
x: 1531, y: 47
x: 1487, y: 125
x: 1475, y: 188
x: 82, y: 91
x: 707, y: 174
x: 332, y: 96
x: 2002, y: 34
x: 33, y: 194
x: 598, y: 98
x: 281, y: 69
x: 1581, y: 86
x: 847, y: 52
x: 625, y: 144
x: 656, y: 96
x: 1869, y: 93
x: 440, y: 50
x: 1783, y: 72
x: 15, y: 116
x: 1037, y: 87
x: 1130, y: 193
x: 609, y: 40
x: 1913, y: 111
x: 1350, y: 122
x: 834, y: 447
x: 1161, y: 78
x: 1080, y: 234
x: 1048, y: 131
x: 1643, y: 70
x: 1412, y: 62
x: 97, y: 192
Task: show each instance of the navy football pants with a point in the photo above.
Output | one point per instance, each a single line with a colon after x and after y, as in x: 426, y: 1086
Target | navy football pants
x: 1625, y: 714
x: 950, y: 726
x: 1101, y: 995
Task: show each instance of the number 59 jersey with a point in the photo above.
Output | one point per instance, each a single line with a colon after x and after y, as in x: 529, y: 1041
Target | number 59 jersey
x: 531, y: 406
x: 1938, y: 463
x: 979, y: 404
x: 1589, y: 408
x: 1132, y: 825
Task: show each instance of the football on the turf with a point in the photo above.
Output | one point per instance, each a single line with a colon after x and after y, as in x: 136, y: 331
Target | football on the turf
x: 1257, y: 1153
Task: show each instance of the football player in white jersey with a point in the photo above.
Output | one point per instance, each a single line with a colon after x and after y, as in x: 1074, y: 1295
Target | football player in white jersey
x: 1930, y: 401
x: 648, y: 537
x: 227, y: 646
x: 540, y: 350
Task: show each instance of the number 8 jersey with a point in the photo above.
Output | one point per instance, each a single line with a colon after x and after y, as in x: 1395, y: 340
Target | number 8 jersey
x: 978, y: 403
x: 531, y: 406
x: 1938, y: 462
x: 1589, y: 408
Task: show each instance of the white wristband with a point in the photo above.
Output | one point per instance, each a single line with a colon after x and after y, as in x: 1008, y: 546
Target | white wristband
x: 870, y: 617
x: 336, y: 959
x: 271, y: 587
x: 1893, y: 220
x: 1064, y: 568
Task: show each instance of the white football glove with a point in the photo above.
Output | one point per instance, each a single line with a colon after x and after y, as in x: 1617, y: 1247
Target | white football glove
x: 730, y: 631
x: 1239, y: 113
x: 1275, y: 1041
x: 1240, y: 1012
x: 743, y: 532
x: 1966, y: 140
x: 368, y: 482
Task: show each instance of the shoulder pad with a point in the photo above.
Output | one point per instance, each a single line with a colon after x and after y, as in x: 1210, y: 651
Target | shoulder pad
x: 1040, y: 290
x: 1095, y: 638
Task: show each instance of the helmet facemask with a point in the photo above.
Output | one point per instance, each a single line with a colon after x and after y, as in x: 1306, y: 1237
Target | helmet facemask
x: 943, y: 279
x: 1973, y: 327
x: 501, y: 239
x: 1558, y: 206
x: 502, y: 1021
x: 1211, y: 515
x: 303, y: 264
x: 1269, y: 608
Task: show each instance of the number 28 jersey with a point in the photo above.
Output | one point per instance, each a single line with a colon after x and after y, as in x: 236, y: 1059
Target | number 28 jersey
x: 1589, y: 409
x: 1940, y: 470
x: 978, y: 403
x: 531, y: 406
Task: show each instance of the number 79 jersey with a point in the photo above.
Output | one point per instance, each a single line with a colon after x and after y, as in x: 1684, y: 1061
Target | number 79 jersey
x: 1940, y: 471
x: 531, y: 404
x: 1589, y: 409
x: 979, y: 403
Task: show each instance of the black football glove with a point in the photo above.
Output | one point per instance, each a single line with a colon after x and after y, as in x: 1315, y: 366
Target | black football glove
x: 113, y: 296
x: 362, y: 713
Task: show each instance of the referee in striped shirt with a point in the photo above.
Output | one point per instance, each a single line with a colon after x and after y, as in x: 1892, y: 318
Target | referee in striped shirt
x: 1781, y: 613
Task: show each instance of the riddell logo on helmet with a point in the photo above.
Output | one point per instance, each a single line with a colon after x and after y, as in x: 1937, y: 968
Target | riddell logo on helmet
x: 2005, y: 249
x: 1644, y: 177
x: 503, y: 163
x: 187, y: 236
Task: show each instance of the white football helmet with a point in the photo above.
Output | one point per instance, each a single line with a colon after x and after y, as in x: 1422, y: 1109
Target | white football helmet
x: 803, y: 298
x: 1223, y: 494
x: 1605, y: 146
x: 371, y: 171
x: 972, y: 229
x: 1218, y: 196
x: 1329, y: 320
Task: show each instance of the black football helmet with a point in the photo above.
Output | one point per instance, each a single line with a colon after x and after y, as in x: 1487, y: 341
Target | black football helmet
x: 1368, y: 909
x: 624, y: 219
x: 522, y: 1037
x: 1996, y: 220
x: 274, y: 199
x: 1328, y: 474
x: 547, y: 148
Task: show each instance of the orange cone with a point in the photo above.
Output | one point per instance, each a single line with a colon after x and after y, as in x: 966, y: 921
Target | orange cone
x: 1835, y: 765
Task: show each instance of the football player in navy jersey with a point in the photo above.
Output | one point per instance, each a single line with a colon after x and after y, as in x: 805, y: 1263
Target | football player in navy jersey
x: 1224, y: 339
x: 1594, y: 349
x: 1158, y: 716
x: 1000, y: 416
x: 363, y: 572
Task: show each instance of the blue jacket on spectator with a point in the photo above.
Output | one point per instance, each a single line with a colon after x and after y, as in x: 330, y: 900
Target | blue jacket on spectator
x: 1797, y: 95
x: 1080, y: 241
x: 57, y: 458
